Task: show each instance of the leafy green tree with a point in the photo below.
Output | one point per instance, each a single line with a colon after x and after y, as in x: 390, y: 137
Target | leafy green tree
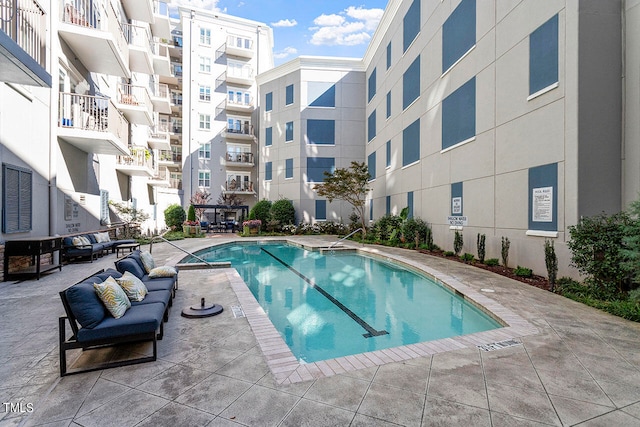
x: 631, y: 240
x: 261, y: 211
x: 348, y: 184
x: 283, y: 211
x: 174, y: 216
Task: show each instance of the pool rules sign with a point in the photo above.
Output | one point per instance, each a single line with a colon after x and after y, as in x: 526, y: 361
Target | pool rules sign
x: 542, y: 206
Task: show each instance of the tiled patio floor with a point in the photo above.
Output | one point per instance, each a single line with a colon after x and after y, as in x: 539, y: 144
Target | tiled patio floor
x: 576, y: 365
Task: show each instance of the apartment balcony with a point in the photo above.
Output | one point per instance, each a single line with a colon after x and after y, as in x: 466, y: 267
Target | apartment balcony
x: 175, y: 183
x: 244, y: 160
x: 138, y: 163
x: 161, y: 60
x: 241, y: 74
x: 140, y: 10
x: 140, y: 48
x: 169, y: 158
x: 175, y: 128
x: 23, y: 29
x: 135, y: 103
x: 244, y: 133
x: 239, y: 46
x: 93, y: 124
x: 161, y: 178
x: 160, y: 26
x: 160, y: 98
x: 242, y: 105
x: 235, y: 187
x: 93, y: 32
x: 159, y: 136
x: 175, y: 77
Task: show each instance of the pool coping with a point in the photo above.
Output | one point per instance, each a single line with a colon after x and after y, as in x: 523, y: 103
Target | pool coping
x: 286, y: 369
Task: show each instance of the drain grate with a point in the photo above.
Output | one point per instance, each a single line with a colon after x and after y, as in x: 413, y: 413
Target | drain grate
x: 498, y: 345
x: 237, y: 311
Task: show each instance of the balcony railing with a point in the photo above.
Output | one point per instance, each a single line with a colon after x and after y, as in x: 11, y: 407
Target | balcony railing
x: 175, y: 183
x: 233, y: 185
x: 89, y: 112
x: 136, y: 96
x: 139, y: 36
x: 25, y: 22
x: 94, y: 14
x: 176, y: 126
x: 239, y: 42
x: 245, y: 129
x: 140, y: 157
x: 176, y: 98
x: 239, y: 71
x: 240, y: 101
x: 240, y: 157
x: 169, y: 156
x: 161, y: 90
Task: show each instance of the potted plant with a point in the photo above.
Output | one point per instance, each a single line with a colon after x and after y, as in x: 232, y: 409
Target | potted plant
x: 251, y: 226
x: 191, y: 226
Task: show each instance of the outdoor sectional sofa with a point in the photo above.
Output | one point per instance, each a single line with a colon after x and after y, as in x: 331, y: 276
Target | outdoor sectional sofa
x: 98, y: 244
x: 93, y: 326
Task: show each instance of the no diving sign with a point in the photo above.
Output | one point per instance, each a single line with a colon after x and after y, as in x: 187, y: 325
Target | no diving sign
x: 457, y: 221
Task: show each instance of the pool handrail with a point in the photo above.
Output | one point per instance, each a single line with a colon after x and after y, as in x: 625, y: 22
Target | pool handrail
x: 178, y: 247
x: 344, y: 238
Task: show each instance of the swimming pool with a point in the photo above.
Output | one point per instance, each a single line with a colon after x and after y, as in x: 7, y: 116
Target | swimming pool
x: 328, y: 306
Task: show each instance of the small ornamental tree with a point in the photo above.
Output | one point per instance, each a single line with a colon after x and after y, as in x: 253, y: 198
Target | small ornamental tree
x: 200, y: 197
x: 348, y: 184
x: 551, y: 262
x: 131, y: 216
x: 191, y: 214
x: 174, y: 216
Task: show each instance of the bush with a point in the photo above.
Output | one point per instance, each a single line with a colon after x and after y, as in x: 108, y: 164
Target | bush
x: 458, y: 242
x: 429, y: 240
x: 467, y: 258
x: 386, y: 226
x: 414, y: 228
x: 448, y: 253
x: 191, y: 214
x: 523, y: 272
x: 261, y: 211
x: 174, y: 216
x: 594, y: 296
x: 283, y: 211
x: 551, y: 262
x: 634, y: 295
x: 492, y: 262
x: 504, y: 252
x: 480, y: 242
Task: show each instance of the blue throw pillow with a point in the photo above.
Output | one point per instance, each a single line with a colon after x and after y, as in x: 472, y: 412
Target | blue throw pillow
x: 131, y: 265
x: 136, y: 255
x: 85, y: 304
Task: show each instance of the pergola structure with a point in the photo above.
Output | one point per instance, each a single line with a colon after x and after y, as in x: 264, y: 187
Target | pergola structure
x: 225, y: 208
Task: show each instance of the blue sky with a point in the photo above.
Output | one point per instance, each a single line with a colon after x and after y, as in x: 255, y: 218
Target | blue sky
x: 320, y: 28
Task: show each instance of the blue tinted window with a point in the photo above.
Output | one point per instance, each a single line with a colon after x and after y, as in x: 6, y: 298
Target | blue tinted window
x: 372, y: 85
x: 388, y: 163
x: 321, y: 94
x: 411, y: 83
x: 288, y: 168
x: 268, y: 102
x: 456, y: 199
x: 321, y: 131
x: 288, y: 131
x: 388, y: 205
x: 411, y: 143
x: 410, y: 25
x: 389, y: 55
x: 410, y: 203
x: 289, y: 95
x: 543, y: 197
x: 268, y: 171
x: 371, y: 165
x: 268, y: 136
x: 321, y: 209
x: 459, y: 115
x: 316, y: 166
x: 458, y: 33
x: 388, y: 104
x: 371, y: 126
x: 543, y: 56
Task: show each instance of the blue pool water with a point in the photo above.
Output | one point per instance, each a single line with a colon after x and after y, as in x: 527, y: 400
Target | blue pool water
x: 333, y: 305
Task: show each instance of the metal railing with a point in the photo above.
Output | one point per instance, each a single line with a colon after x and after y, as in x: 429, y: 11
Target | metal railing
x: 240, y: 157
x: 90, y: 112
x: 169, y: 156
x: 140, y: 157
x: 136, y: 96
x: 241, y: 101
x: 233, y: 185
x: 239, y: 70
x: 239, y: 42
x: 175, y: 183
x: 245, y: 129
x: 334, y: 244
x: 25, y: 22
x: 162, y: 239
x: 139, y: 36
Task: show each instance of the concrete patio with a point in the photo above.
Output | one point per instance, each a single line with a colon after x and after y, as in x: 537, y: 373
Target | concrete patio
x: 581, y: 367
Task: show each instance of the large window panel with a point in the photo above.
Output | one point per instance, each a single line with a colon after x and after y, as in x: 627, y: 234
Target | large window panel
x: 371, y: 126
x: 321, y: 131
x: 321, y: 94
x: 268, y: 102
x: 459, y: 115
x: 543, y: 56
x: 288, y: 168
x: 411, y: 143
x: 17, y: 204
x: 372, y: 85
x: 410, y: 25
x: 288, y: 131
x: 289, y: 95
x: 411, y: 83
x: 316, y: 166
x: 458, y: 33
x: 321, y: 209
x: 371, y: 166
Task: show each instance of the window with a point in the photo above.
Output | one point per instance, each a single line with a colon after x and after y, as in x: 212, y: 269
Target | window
x: 321, y: 132
x: 205, y: 151
x: 268, y: 171
x: 371, y: 166
x: 268, y: 136
x: 389, y: 55
x: 316, y: 166
x: 458, y: 33
x: 205, y: 121
x: 388, y: 163
x: 459, y: 115
x: 321, y: 209
x: 543, y: 56
x: 543, y: 197
x: 388, y: 205
x: 456, y: 199
x: 411, y: 143
x: 372, y: 85
x: 205, y: 93
x: 288, y: 168
x: 205, y: 64
x: 371, y: 126
x: 238, y: 97
x: 16, y: 199
x: 388, y: 104
x: 410, y: 25
x: 288, y: 132
x: 204, y: 178
x: 268, y: 101
x: 205, y: 36
x: 289, y: 95
x: 411, y: 83
x: 410, y: 204
x: 321, y: 94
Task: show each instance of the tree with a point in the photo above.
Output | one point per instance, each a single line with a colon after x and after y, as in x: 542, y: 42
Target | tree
x: 229, y: 199
x: 348, y: 184
x: 261, y: 211
x: 200, y: 197
x: 174, y: 216
x: 131, y: 216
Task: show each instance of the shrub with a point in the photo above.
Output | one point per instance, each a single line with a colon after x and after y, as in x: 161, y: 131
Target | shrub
x: 414, y: 228
x: 551, y: 262
x: 448, y: 253
x: 174, y: 216
x: 631, y: 240
x: 261, y: 211
x: 458, y: 242
x: 634, y: 295
x: 385, y: 226
x: 504, y: 252
x: 467, y: 258
x: 481, y: 247
x: 523, y: 272
x: 428, y: 239
x: 191, y: 214
x: 492, y: 262
x: 283, y: 211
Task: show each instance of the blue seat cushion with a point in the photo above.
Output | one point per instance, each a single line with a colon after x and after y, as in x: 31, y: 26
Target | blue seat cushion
x: 91, y: 237
x: 85, y: 303
x: 161, y: 296
x: 140, y: 319
x: 159, y: 284
x: 131, y: 265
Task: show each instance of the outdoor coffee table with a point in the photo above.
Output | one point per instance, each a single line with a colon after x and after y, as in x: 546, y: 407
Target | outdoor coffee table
x: 123, y: 247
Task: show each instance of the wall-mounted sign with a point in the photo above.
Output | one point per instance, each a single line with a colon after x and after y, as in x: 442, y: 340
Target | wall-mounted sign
x: 542, y: 204
x: 456, y: 205
x: 457, y: 221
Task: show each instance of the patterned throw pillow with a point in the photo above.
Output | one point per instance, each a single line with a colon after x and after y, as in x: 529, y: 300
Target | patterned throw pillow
x: 163, y: 271
x: 85, y: 240
x: 147, y: 261
x: 132, y: 286
x: 77, y: 241
x: 113, y: 297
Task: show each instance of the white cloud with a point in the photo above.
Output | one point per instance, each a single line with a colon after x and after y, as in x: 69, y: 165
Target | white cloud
x: 285, y: 23
x: 285, y: 52
x: 352, y: 26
